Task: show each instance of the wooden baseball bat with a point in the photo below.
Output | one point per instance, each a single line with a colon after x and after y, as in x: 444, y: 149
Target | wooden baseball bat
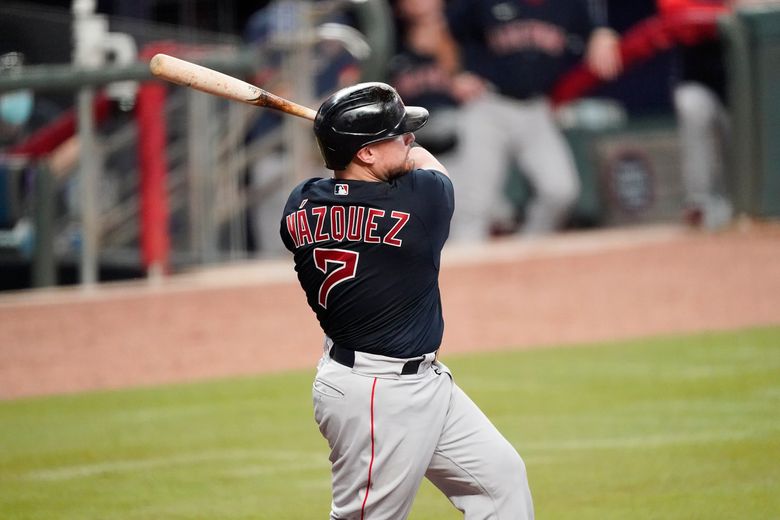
x: 207, y: 80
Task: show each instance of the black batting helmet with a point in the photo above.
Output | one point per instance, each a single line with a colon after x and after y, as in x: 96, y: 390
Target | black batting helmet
x: 359, y: 115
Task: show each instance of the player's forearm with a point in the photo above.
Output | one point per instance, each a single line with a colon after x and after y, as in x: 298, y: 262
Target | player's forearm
x: 603, y: 53
x: 424, y: 159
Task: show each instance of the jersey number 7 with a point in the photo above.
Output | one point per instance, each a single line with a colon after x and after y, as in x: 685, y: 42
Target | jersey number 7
x: 346, y: 266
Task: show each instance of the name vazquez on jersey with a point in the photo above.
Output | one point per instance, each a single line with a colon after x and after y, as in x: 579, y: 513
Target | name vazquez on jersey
x: 354, y: 223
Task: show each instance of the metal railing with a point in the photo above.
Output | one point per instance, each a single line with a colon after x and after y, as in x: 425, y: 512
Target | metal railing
x: 208, y: 156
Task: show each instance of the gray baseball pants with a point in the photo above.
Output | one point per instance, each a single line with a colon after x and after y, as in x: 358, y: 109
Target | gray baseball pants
x: 386, y: 431
x: 704, y: 127
x: 495, y: 129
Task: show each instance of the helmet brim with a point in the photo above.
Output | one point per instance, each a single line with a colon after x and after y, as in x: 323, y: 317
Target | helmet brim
x: 414, y: 119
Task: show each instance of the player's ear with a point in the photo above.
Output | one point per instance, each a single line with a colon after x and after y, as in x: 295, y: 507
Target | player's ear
x: 367, y: 154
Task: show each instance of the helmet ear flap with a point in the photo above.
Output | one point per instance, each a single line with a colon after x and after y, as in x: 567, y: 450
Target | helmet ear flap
x: 359, y: 115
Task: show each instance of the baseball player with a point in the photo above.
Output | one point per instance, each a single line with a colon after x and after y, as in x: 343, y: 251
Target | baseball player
x: 366, y: 245
x: 513, y: 52
x: 421, y: 71
x: 700, y: 104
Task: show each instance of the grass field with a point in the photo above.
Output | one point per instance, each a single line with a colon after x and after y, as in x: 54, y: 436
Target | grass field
x: 671, y: 428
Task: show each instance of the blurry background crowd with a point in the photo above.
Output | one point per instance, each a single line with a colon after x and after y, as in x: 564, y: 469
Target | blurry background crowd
x: 551, y: 115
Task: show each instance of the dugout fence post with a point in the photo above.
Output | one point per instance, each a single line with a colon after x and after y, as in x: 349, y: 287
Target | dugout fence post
x: 44, y: 266
x: 752, y: 38
x: 150, y: 114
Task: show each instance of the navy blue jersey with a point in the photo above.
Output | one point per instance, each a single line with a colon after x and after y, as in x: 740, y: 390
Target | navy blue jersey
x: 704, y: 63
x: 367, y: 255
x: 422, y: 82
x: 521, y: 46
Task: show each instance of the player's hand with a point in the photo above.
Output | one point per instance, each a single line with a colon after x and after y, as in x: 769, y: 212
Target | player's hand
x: 603, y: 54
x: 467, y: 86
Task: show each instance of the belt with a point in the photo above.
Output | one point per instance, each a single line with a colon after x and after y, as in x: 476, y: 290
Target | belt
x: 346, y: 357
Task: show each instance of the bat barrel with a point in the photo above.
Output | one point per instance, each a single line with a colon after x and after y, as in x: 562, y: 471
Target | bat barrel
x: 207, y: 80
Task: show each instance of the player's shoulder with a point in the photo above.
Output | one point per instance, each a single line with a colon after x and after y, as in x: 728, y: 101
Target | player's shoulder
x: 424, y: 178
x: 314, y: 185
x: 426, y: 187
x: 304, y: 190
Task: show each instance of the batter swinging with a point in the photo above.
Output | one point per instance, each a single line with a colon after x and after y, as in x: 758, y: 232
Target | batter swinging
x: 367, y: 245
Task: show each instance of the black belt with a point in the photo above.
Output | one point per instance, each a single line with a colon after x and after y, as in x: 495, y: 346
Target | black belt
x: 346, y: 357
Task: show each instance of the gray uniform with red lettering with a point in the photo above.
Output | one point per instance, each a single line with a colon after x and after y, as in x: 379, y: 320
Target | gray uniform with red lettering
x: 367, y: 255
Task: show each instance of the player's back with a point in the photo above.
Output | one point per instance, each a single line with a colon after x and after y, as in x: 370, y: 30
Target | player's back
x: 367, y: 255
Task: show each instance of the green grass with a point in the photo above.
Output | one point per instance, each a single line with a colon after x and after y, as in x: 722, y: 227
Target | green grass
x: 668, y: 428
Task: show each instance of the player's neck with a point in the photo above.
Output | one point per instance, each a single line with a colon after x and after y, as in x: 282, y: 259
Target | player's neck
x: 355, y: 172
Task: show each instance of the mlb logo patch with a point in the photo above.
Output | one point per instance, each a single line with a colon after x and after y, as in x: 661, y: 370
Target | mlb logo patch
x: 341, y: 189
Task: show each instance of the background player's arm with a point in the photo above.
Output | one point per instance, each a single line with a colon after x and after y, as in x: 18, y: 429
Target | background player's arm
x: 424, y: 159
x: 467, y: 83
x: 603, y: 51
x: 603, y: 54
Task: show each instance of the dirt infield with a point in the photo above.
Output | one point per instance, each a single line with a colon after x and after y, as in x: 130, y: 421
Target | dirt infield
x: 252, y: 318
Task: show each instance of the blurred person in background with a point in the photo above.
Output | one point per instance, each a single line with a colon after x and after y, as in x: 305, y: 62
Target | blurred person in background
x: 334, y: 68
x: 21, y: 111
x: 422, y: 71
x: 699, y: 95
x: 512, y: 53
x: 21, y: 114
x: 701, y: 106
x: 16, y: 107
x: 16, y: 121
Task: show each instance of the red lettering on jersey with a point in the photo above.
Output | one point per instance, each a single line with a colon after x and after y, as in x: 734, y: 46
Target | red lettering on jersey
x: 428, y: 78
x: 355, y: 223
x: 304, y: 233
x: 337, y: 224
x: 371, y: 225
x: 346, y: 266
x: 390, y: 239
x: 319, y: 235
x: 521, y: 35
x: 292, y: 228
